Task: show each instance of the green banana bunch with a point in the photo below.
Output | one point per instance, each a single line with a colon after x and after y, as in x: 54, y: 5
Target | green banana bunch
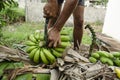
x: 39, y: 53
x: 112, y: 59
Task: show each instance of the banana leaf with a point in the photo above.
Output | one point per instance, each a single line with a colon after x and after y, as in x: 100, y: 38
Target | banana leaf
x: 3, y: 65
x: 10, y: 66
x: 43, y: 77
x: 4, y: 77
x: 18, y: 64
x: 26, y: 76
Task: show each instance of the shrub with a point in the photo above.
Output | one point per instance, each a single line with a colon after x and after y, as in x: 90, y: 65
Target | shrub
x: 12, y: 13
x: 9, y: 13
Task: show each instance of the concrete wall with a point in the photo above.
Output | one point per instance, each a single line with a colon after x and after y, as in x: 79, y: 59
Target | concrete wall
x: 21, y: 3
x: 111, y: 25
x: 34, y: 12
x: 92, y: 14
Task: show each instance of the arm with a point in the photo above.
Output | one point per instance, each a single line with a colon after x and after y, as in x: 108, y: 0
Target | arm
x: 51, y: 9
x: 68, y: 8
x: 54, y: 33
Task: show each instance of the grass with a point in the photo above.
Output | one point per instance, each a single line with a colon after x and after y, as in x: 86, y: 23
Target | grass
x: 86, y: 39
x: 18, y: 33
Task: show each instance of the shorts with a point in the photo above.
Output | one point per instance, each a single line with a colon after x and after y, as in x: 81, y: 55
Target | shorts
x: 81, y: 2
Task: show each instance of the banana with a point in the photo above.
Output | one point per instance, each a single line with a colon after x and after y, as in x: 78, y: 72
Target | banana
x: 106, y: 60
x: 43, y: 57
x: 32, y: 53
x: 110, y: 62
x: 117, y: 62
x: 64, y: 44
x: 92, y: 59
x: 111, y: 56
x: 57, y: 54
x: 32, y: 38
x: 36, y: 58
x: 37, y: 35
x: 30, y: 48
x: 103, y: 53
x: 61, y: 50
x: 103, y: 60
x: 64, y: 32
x: 30, y: 43
x: 95, y: 55
x: 116, y: 54
x: 49, y: 56
x: 65, y: 38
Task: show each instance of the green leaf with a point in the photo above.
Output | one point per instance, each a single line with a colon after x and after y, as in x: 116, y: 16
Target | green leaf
x: 10, y: 66
x: 18, y: 64
x: 26, y: 76
x: 3, y: 65
x: 43, y: 77
x: 4, y: 77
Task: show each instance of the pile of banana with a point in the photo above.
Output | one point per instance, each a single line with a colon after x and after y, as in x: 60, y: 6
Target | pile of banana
x: 38, y: 52
x: 112, y: 59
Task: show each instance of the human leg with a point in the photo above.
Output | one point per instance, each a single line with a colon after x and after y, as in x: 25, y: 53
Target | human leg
x: 78, y: 15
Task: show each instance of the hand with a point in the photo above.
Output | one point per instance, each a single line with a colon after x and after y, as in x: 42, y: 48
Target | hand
x: 53, y: 37
x: 51, y: 9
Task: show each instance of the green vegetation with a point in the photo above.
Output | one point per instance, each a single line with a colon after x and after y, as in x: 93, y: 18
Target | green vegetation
x: 43, y: 1
x: 100, y: 2
x: 17, y: 33
x: 12, y: 13
x: 86, y: 39
x: 9, y: 13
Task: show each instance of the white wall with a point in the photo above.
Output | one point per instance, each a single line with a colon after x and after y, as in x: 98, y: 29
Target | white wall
x: 21, y: 3
x: 112, y: 20
x: 34, y: 12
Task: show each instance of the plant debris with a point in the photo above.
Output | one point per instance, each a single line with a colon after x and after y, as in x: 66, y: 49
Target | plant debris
x: 79, y: 68
x: 73, y: 66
